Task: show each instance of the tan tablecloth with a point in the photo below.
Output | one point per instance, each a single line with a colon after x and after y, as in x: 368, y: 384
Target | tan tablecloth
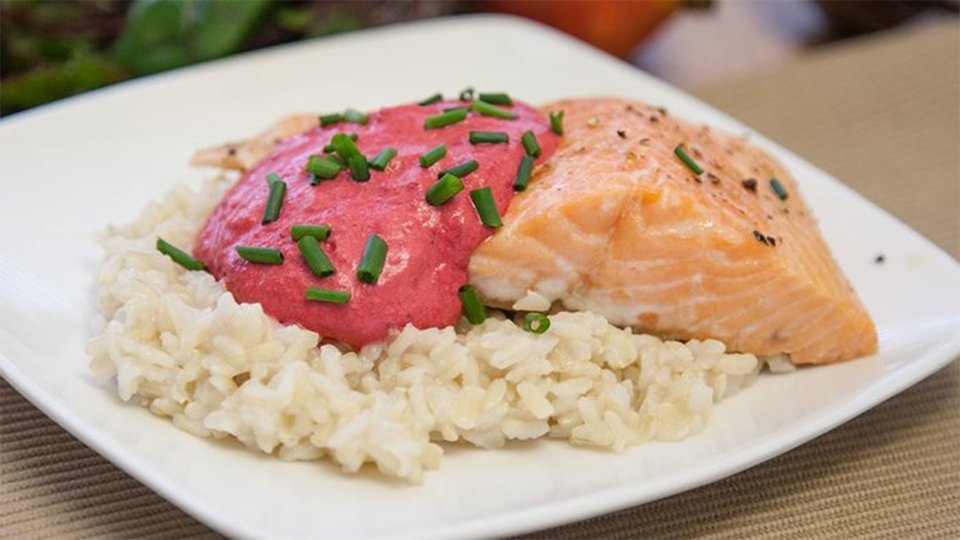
x: 882, y: 115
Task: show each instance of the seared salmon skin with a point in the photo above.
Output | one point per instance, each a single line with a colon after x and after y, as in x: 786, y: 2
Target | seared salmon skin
x: 674, y: 229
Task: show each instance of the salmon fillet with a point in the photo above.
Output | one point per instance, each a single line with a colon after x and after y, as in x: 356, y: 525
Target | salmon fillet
x: 241, y: 155
x: 617, y: 224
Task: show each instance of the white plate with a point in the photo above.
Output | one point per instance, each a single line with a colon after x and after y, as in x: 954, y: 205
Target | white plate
x: 70, y: 168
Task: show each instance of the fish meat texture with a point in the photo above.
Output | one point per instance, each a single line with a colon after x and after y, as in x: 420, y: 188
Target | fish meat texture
x: 616, y: 223
x: 242, y: 155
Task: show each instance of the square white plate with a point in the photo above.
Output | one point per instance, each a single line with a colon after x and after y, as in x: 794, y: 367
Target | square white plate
x: 71, y: 168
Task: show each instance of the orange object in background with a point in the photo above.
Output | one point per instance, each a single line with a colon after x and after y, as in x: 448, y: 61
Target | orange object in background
x: 615, y: 26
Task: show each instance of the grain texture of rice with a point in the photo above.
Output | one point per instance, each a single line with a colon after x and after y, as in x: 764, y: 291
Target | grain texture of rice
x: 178, y: 343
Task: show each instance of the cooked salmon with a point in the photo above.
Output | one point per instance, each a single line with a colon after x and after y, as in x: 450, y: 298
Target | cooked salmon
x: 241, y: 155
x: 618, y: 224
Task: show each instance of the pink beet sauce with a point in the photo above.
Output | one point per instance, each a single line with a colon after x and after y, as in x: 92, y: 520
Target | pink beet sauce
x: 428, y: 247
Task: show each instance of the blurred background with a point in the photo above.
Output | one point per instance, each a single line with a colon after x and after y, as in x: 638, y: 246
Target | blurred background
x: 54, y: 49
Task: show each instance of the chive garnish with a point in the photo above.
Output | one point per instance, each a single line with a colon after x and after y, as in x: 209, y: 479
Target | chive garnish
x: 329, y: 149
x: 487, y: 109
x: 433, y: 155
x: 445, y: 119
x: 443, y: 190
x: 472, y: 308
x: 466, y: 94
x: 537, y: 323
x: 316, y: 259
x: 449, y: 109
x: 372, y: 260
x: 523, y: 173
x: 380, y: 161
x: 327, y: 295
x: 556, y: 122
x: 329, y: 119
x: 345, y: 146
x: 320, y: 232
x: 489, y: 137
x: 530, y: 144
x: 273, y: 177
x: 431, y: 100
x: 271, y: 211
x: 322, y: 168
x: 359, y: 170
x: 260, y: 255
x: 338, y: 161
x: 461, y: 170
x: 486, y: 207
x: 179, y: 256
x: 355, y: 117
x: 496, y: 98
x: 682, y: 154
x: 779, y: 189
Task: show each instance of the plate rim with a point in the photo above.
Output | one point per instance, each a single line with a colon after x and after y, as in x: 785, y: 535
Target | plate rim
x: 573, y: 509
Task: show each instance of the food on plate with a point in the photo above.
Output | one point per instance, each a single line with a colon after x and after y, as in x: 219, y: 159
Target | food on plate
x: 324, y: 297
x: 427, y: 245
x: 675, y: 229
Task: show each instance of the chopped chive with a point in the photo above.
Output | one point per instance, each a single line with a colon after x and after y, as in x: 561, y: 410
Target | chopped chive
x: 320, y: 232
x: 443, y: 190
x: 487, y: 109
x: 329, y: 149
x: 496, y: 98
x: 556, y: 122
x: 338, y: 161
x: 433, y: 155
x: 537, y: 323
x: 327, y: 295
x: 486, y: 207
x: 472, y: 308
x: 355, y: 117
x: 322, y: 168
x: 380, y: 161
x: 329, y: 119
x: 431, y: 100
x: 461, y: 170
x: 464, y: 109
x: 359, y: 170
x: 489, y: 137
x: 372, y: 260
x: 445, y: 119
x: 682, y: 154
x: 523, y: 173
x: 466, y: 94
x: 345, y: 146
x: 530, y: 143
x: 271, y: 211
x: 179, y: 256
x: 779, y: 189
x: 316, y: 259
x: 260, y: 255
x: 273, y: 177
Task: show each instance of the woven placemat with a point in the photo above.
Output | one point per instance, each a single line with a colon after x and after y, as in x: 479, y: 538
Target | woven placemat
x: 881, y: 114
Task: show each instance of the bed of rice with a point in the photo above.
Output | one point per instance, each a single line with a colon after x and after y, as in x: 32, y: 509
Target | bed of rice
x: 179, y: 344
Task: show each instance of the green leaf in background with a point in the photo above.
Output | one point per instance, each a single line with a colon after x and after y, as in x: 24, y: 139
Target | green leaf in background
x: 81, y: 73
x: 164, y: 34
x: 312, y: 21
x: 222, y: 26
